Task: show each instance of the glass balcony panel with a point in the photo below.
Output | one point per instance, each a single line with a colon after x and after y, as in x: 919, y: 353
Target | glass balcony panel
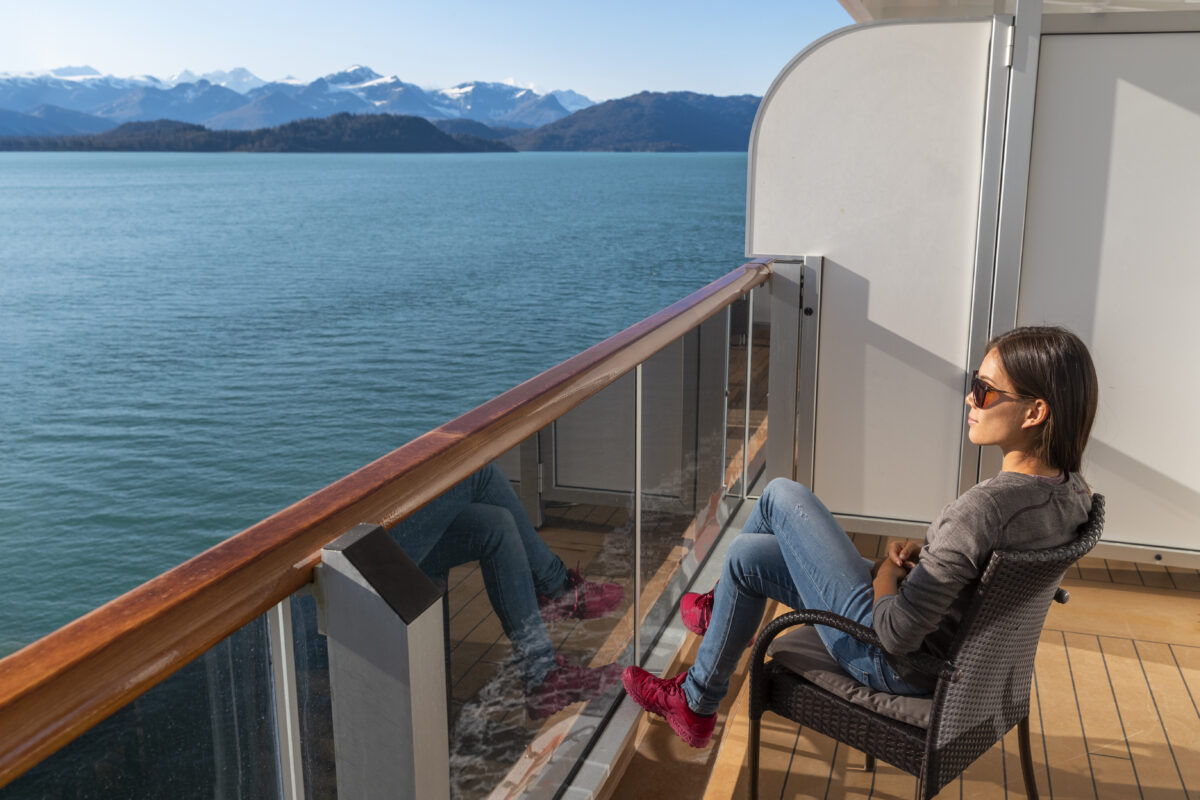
x: 755, y: 437
x: 207, y: 731
x: 495, y: 742
x: 681, y: 504
x: 749, y: 362
x: 311, y: 654
x: 735, y: 396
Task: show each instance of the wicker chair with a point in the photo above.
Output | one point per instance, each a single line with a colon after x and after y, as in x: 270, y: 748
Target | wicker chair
x: 982, y: 689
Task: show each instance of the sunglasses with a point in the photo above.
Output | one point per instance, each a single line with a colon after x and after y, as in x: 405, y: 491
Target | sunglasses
x: 981, y: 392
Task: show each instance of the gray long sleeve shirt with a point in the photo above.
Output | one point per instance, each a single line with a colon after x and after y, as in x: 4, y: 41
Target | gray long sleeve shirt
x: 1011, y: 511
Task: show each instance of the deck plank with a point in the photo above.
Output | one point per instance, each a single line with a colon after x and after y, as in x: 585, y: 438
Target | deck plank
x: 1108, y: 751
x: 984, y: 779
x: 1181, y: 715
x: 1155, y: 576
x: 470, y: 617
x: 1188, y: 659
x: 1186, y: 579
x: 892, y: 782
x: 794, y: 763
x: 1145, y: 614
x: 1055, y: 706
x: 856, y: 781
x: 1180, y: 720
x: 1094, y: 569
x: 1123, y: 572
x: 1158, y: 775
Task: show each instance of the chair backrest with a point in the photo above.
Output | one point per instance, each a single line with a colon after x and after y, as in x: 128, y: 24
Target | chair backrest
x: 995, y: 647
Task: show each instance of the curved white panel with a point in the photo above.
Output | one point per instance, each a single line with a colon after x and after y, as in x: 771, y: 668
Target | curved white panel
x: 1112, y: 233
x: 867, y: 150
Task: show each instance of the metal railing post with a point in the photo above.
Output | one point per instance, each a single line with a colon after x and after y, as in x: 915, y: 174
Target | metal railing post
x: 637, y: 516
x: 746, y: 411
x: 387, y: 675
x: 287, y: 705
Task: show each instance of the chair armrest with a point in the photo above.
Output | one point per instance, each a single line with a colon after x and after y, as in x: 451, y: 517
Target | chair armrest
x: 919, y: 661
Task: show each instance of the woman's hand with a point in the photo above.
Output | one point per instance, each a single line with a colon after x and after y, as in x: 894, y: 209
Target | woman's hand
x: 904, y: 554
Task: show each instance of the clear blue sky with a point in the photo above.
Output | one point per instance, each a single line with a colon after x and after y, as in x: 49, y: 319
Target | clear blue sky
x: 602, y: 49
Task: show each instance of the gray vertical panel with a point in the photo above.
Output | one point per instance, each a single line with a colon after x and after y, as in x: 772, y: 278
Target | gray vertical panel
x: 530, y: 488
x: 710, y: 408
x: 683, y: 485
x: 782, y: 379
x: 1110, y: 251
x: 810, y: 348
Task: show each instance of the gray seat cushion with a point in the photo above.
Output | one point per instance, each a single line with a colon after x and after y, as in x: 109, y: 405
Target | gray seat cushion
x: 802, y: 651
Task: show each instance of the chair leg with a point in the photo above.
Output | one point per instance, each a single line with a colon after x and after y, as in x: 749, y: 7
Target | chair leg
x: 1026, y: 758
x: 870, y: 765
x: 755, y: 725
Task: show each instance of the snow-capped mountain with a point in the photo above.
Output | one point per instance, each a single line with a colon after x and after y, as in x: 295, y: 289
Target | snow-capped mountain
x: 353, y: 76
x: 571, y: 101
x: 239, y: 79
x: 238, y: 99
x: 186, y: 102
x: 503, y: 104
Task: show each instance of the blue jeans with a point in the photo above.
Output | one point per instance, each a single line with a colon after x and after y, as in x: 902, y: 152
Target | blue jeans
x: 791, y: 550
x: 481, y: 519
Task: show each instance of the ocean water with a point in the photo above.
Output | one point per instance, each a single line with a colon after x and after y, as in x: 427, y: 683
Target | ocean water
x: 190, y: 342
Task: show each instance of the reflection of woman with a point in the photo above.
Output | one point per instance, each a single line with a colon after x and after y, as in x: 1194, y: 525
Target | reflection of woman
x: 481, y: 519
x: 1034, y: 396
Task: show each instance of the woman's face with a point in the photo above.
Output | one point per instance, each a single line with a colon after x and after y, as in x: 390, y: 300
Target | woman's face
x: 1004, y: 420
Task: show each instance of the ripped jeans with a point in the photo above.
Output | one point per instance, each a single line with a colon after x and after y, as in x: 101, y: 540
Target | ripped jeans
x: 791, y: 550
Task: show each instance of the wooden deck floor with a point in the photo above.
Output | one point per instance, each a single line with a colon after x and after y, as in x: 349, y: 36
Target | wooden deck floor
x: 1113, y: 715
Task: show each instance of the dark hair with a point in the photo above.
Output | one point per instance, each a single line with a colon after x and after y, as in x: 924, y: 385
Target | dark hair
x: 1052, y: 363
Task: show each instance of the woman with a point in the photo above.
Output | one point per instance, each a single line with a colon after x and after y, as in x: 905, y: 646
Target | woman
x: 1034, y: 397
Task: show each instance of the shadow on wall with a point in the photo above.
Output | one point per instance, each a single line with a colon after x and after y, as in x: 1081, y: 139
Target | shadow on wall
x: 848, y: 336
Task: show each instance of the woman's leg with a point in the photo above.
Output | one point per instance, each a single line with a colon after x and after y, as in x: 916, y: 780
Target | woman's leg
x: 490, y: 485
x: 791, y: 550
x: 754, y: 571
x: 488, y: 534
x: 422, y: 529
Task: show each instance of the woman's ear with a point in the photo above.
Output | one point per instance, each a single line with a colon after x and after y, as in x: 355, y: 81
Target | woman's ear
x: 1037, y: 414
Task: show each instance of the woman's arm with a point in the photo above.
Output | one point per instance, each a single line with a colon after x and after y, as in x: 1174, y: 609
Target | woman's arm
x: 958, y: 545
x: 900, y: 559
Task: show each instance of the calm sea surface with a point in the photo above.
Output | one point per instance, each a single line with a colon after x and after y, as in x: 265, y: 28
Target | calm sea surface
x: 189, y: 343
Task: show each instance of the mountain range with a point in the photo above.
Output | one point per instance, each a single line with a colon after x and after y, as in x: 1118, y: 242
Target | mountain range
x: 239, y: 100
x: 79, y: 101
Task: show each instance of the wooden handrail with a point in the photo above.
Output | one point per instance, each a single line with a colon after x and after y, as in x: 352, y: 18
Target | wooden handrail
x: 63, y: 684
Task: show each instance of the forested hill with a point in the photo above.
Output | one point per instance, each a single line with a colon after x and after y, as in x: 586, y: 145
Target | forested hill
x: 341, y: 133
x: 650, y: 121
